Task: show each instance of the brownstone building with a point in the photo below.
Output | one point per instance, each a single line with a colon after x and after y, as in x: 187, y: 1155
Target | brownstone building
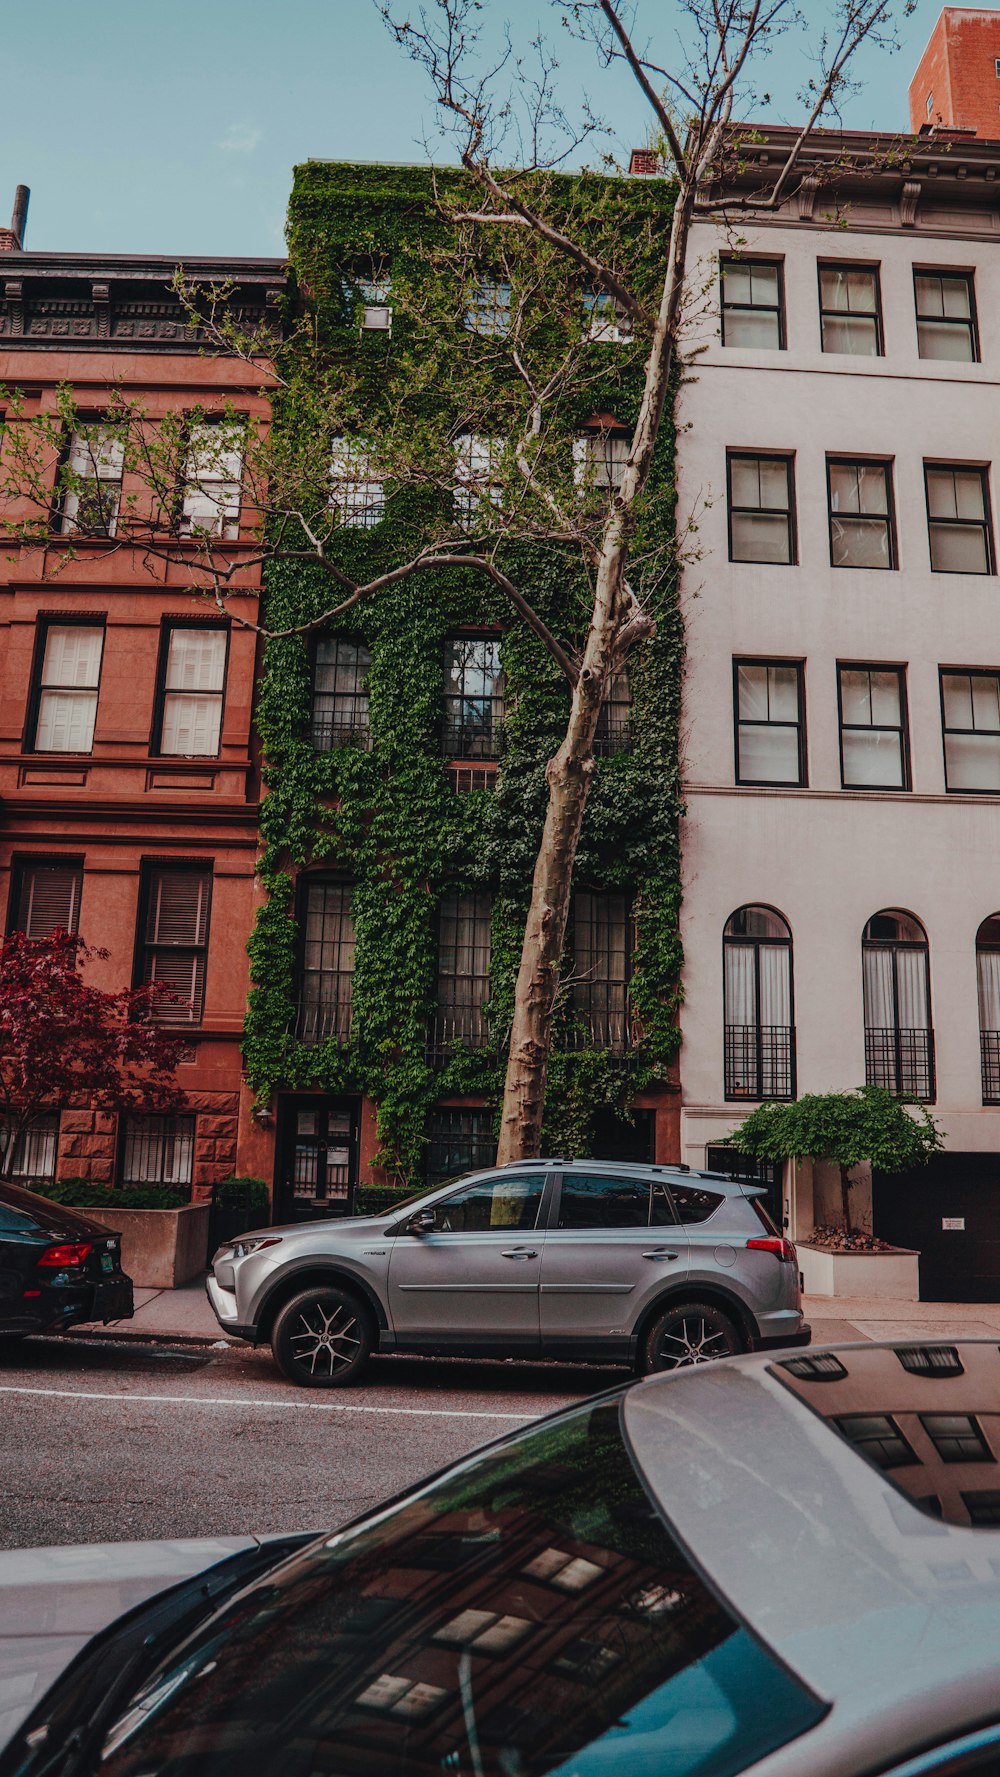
x: 957, y: 82
x: 128, y: 784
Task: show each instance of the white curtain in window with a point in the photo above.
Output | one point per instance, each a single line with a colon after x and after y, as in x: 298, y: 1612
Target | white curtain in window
x: 740, y: 984
x: 214, y: 478
x: 911, y: 986
x: 879, y: 1005
x: 988, y: 968
x: 71, y: 672
x: 775, y: 985
x: 192, y: 703
x: 911, y: 983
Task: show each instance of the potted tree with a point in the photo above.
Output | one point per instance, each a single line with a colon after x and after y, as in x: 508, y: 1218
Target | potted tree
x: 847, y: 1130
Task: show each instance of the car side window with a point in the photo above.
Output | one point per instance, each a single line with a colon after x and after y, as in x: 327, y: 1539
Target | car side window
x: 694, y: 1204
x: 504, y: 1205
x: 14, y: 1221
x: 600, y: 1200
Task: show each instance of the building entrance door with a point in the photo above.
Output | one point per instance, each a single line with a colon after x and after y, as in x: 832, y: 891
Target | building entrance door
x: 949, y: 1210
x: 317, y: 1166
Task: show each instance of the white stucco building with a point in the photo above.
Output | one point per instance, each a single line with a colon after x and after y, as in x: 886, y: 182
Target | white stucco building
x: 841, y: 738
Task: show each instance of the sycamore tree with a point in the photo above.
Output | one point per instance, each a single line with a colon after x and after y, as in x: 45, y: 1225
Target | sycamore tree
x: 521, y: 272
x: 65, y: 1041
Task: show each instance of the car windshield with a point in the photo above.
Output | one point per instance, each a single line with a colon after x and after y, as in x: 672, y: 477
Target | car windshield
x: 529, y: 1612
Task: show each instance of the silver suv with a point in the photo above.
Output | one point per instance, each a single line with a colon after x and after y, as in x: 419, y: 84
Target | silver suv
x: 654, y: 1266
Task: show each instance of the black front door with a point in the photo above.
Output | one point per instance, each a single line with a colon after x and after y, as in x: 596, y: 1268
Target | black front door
x: 317, y: 1169
x: 949, y: 1210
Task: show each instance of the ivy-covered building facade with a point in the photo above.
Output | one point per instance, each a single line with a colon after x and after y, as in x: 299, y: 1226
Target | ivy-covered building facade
x: 405, y: 743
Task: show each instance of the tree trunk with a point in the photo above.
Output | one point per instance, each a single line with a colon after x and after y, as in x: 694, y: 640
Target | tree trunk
x: 845, y: 1198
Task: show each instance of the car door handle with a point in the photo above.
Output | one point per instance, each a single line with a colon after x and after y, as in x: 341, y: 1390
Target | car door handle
x: 660, y: 1252
x: 521, y: 1252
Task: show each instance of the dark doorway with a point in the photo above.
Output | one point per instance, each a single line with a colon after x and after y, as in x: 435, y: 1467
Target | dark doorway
x: 755, y: 1172
x: 317, y: 1167
x: 614, y: 1137
x: 950, y: 1211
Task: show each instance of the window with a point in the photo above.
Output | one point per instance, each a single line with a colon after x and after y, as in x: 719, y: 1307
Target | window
x: 761, y: 508
x: 340, y: 714
x: 770, y: 731
x: 502, y: 1205
x: 67, y: 687
x: 599, y: 460
x: 211, y: 502
x: 602, y: 967
x: 473, y: 698
x: 463, y: 978
x: 174, y: 942
x: 693, y: 1203
x: 192, y: 679
x: 862, y: 525
x: 327, y: 962
x: 988, y: 977
x: 759, y: 1043
x: 850, y: 310
x: 957, y: 1437
x: 946, y: 316
x: 372, y: 295
x: 158, y: 1151
x: 970, y: 714
x: 753, y: 307
x: 488, y: 309
x: 899, y: 1039
x: 822, y: 1368
x: 929, y: 106
x: 603, y: 321
x: 356, y: 495
x: 878, y: 1437
x: 599, y: 1200
x: 477, y: 488
x: 91, y: 482
x: 613, y: 733
x: 958, y: 520
x: 930, y: 1360
x: 460, y: 1139
x: 35, y: 1151
x: 46, y: 897
x: 873, y: 750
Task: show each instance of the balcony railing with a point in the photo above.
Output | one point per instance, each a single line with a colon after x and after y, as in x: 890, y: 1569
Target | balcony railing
x: 343, y: 730
x: 989, y: 1049
x: 760, y: 1061
x: 319, y: 1018
x: 457, y: 1024
x: 599, y: 1028
x: 902, y: 1061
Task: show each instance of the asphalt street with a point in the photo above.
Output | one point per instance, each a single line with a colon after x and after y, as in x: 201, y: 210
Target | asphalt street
x: 105, y: 1442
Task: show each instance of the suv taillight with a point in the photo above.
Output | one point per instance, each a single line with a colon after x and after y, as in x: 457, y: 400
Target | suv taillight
x: 60, y: 1258
x: 782, y: 1249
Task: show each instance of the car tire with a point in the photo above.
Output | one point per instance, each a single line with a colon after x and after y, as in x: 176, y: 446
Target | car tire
x: 322, y: 1338
x: 688, y: 1333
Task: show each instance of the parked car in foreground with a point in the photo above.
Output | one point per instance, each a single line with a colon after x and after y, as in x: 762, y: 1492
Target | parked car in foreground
x: 789, y: 1564
x: 57, y: 1268
x: 657, y: 1267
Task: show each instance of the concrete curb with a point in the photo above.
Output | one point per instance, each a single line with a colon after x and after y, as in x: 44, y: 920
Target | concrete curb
x: 129, y: 1337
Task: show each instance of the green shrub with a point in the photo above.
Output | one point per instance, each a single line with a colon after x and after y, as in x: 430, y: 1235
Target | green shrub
x: 233, y: 1193
x: 377, y: 1200
x: 81, y: 1193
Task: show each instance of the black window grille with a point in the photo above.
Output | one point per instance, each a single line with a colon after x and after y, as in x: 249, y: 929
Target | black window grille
x: 340, y: 714
x: 174, y: 943
x: 850, y: 310
x: 988, y: 979
x: 613, y: 733
x: 328, y: 947
x: 35, y: 1150
x: 970, y: 714
x: 463, y: 983
x: 761, y: 508
x: 958, y: 520
x: 602, y: 946
x: 753, y: 306
x: 899, y: 1036
x: 46, y: 897
x: 473, y: 698
x: 946, y: 316
x: 759, y: 1026
x: 460, y: 1139
x: 158, y: 1151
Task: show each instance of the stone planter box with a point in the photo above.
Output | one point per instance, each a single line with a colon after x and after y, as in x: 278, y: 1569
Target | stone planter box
x: 892, y: 1277
x: 161, y: 1248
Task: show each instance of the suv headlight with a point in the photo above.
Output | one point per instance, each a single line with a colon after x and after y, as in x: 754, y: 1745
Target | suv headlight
x: 240, y: 1249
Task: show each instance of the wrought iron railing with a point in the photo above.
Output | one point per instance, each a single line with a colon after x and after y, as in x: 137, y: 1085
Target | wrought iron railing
x: 598, y: 1028
x: 613, y: 735
x: 760, y: 1061
x: 474, y: 733
x: 467, y: 1025
x: 322, y: 1016
x: 340, y: 728
x: 989, y: 1049
x: 902, y: 1061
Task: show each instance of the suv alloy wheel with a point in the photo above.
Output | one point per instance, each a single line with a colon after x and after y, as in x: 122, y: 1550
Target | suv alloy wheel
x: 322, y: 1338
x: 688, y: 1333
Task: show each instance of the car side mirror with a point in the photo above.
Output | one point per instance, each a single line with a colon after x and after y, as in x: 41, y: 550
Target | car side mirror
x: 422, y: 1223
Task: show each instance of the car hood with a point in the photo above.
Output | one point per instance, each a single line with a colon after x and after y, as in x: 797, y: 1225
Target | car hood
x: 53, y: 1600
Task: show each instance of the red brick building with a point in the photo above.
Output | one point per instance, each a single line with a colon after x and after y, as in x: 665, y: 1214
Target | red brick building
x: 957, y: 82
x: 128, y: 784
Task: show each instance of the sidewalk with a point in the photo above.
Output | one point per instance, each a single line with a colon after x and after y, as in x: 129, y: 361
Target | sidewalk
x: 185, y: 1314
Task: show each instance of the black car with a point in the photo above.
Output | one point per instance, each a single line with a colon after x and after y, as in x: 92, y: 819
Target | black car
x: 56, y: 1267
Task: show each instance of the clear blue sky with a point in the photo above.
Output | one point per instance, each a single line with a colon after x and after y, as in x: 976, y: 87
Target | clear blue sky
x: 174, y: 129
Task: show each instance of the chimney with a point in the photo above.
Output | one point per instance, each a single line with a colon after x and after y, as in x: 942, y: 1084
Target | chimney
x: 644, y: 163
x: 12, y: 238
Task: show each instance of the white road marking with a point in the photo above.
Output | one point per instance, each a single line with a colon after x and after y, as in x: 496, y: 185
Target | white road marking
x: 215, y: 1400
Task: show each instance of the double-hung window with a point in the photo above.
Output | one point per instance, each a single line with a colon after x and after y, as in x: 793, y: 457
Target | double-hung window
x: 213, y: 480
x: 478, y: 490
x: 91, y: 481
x: 958, y: 520
x: 873, y: 742
x: 603, y: 321
x: 613, y: 733
x: 753, y: 304
x: 946, y: 316
x: 488, y: 308
x: 174, y: 938
x: 970, y: 710
x: 460, y: 1139
x: 850, y: 310
x: 46, y: 897
x: 599, y: 460
x: 67, y: 685
x: 761, y: 508
x: 603, y: 942
x: 340, y: 714
x: 357, y: 496
x: 192, y: 678
x: 862, y: 527
x: 328, y: 948
x: 158, y: 1151
x: 473, y: 698
x: 770, y: 727
x: 463, y: 985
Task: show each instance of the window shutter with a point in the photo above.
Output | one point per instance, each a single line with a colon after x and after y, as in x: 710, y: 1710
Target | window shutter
x: 178, y: 907
x: 196, y: 660
x: 49, y: 899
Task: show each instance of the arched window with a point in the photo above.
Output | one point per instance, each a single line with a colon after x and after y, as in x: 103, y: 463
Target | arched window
x: 899, y: 1040
x: 988, y: 972
x: 757, y: 994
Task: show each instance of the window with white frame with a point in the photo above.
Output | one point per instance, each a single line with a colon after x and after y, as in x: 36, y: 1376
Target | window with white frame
x: 478, y: 490
x: 374, y: 295
x: 357, y: 496
x: 604, y: 321
x: 599, y: 460
x: 69, y: 677
x: 46, y: 896
x: 488, y: 308
x: 92, y: 481
x: 213, y: 480
x: 194, y: 676
x: 158, y: 1151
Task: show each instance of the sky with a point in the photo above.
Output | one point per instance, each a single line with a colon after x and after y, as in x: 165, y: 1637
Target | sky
x: 141, y: 130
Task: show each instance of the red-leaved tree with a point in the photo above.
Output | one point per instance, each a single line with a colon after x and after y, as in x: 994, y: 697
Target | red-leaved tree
x: 64, y: 1041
